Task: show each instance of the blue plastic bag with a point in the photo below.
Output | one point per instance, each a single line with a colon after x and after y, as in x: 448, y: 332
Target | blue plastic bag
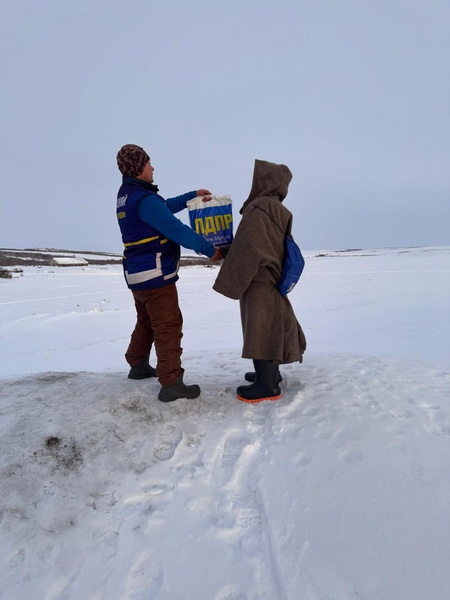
x: 292, y: 267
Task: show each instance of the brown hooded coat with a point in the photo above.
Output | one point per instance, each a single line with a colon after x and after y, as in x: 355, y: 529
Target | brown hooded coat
x: 253, y: 267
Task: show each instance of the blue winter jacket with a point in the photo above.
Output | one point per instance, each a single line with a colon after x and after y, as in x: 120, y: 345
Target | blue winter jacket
x: 152, y: 235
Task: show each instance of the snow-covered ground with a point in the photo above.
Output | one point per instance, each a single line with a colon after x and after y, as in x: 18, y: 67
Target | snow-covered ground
x: 340, y: 491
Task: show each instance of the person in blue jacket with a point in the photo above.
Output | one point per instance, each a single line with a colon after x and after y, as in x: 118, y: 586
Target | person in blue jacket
x: 152, y: 237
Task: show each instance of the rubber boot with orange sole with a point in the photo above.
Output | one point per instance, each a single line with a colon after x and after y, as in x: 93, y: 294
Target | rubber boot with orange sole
x: 265, y: 386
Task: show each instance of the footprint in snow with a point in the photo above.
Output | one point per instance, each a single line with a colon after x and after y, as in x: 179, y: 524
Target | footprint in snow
x: 231, y: 593
x: 167, y: 441
x: 144, y: 579
x: 248, y: 510
x: 438, y: 430
x: 232, y: 450
x: 18, y: 558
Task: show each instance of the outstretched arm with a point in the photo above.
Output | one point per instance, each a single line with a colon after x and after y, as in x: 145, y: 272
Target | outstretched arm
x: 156, y: 213
x: 179, y: 202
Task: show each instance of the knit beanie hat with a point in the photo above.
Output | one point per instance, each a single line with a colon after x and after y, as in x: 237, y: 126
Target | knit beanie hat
x: 131, y: 160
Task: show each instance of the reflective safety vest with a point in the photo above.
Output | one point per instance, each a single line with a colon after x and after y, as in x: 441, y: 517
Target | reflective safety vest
x: 150, y: 260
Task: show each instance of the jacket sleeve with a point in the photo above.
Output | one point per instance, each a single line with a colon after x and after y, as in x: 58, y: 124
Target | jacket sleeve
x: 156, y: 213
x: 179, y: 202
x: 246, y: 256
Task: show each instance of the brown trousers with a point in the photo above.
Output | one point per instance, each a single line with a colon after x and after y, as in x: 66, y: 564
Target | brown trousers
x: 159, y: 321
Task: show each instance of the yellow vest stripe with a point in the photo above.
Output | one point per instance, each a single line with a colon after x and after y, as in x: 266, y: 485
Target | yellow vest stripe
x: 142, y: 241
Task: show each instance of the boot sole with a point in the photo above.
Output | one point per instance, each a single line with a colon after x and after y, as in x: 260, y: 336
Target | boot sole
x: 164, y: 398
x: 179, y: 398
x: 168, y: 399
x: 255, y: 400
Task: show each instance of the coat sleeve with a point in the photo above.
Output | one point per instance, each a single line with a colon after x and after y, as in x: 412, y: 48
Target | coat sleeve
x: 246, y: 256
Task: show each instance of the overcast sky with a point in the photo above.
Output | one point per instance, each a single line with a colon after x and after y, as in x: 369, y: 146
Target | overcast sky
x: 352, y: 95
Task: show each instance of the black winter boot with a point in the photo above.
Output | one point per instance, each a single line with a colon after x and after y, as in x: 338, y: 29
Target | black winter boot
x: 177, y: 389
x: 265, y: 386
x: 251, y: 376
x: 142, y: 370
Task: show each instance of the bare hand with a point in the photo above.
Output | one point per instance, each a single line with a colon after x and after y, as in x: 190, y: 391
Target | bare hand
x: 216, y: 256
x: 206, y: 193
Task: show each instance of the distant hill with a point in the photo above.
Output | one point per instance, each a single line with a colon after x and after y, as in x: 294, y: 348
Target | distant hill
x: 29, y: 257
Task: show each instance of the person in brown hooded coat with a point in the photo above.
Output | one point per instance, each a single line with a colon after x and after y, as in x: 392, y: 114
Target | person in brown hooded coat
x: 250, y: 273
